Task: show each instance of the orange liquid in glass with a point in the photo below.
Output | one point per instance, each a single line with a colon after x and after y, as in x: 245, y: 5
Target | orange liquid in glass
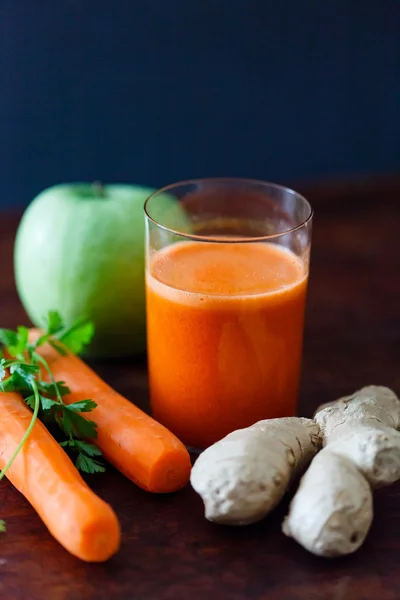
x: 225, y: 327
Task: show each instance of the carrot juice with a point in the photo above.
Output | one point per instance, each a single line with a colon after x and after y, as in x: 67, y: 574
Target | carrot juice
x: 225, y: 327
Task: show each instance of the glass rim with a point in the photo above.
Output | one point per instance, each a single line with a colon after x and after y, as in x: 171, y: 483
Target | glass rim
x: 211, y: 239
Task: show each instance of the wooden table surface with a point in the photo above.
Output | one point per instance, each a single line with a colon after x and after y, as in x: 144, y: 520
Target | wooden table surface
x: 169, y: 551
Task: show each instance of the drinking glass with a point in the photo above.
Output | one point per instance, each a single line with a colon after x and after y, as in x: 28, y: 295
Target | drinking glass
x: 227, y: 264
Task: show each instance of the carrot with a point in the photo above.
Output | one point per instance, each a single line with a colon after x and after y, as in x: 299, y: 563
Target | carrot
x: 140, y: 447
x: 78, y: 519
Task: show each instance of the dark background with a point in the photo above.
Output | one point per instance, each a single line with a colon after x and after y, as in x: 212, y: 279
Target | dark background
x: 156, y: 91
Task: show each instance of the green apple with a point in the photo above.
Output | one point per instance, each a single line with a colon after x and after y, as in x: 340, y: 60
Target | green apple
x: 80, y: 250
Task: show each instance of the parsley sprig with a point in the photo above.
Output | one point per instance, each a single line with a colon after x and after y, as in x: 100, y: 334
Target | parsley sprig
x: 21, y: 371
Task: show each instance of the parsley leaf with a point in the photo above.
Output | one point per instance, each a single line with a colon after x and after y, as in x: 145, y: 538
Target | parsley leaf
x: 14, y: 341
x: 73, y: 424
x: 21, y: 378
x: 89, y: 465
x: 3, y: 527
x: 8, y: 337
x: 45, y: 403
x: 75, y: 338
x: 89, y: 449
x: 81, y: 446
x: 25, y: 371
x: 54, y: 325
x: 86, y: 451
x: 14, y: 384
x: 30, y: 400
x: 82, y: 406
x: 78, y: 336
x: 50, y: 389
x: 54, y: 322
x: 20, y: 343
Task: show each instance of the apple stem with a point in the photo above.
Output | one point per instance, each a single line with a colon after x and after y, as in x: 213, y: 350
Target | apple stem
x: 99, y: 188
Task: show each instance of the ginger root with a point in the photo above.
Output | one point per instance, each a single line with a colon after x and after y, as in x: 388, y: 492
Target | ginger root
x: 362, y: 427
x: 242, y: 477
x: 332, y: 511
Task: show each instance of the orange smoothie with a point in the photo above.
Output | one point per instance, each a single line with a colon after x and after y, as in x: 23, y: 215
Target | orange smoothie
x: 225, y: 328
